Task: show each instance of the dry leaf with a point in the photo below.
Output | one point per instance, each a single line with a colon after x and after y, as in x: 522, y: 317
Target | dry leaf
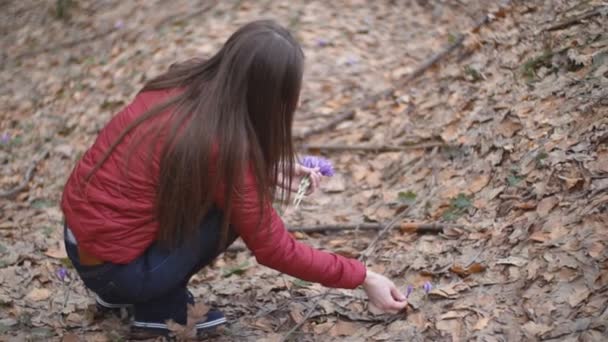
x: 57, y: 252
x: 508, y: 127
x: 481, y: 323
x: 512, y: 260
x: 479, y: 183
x: 465, y: 272
x: 70, y: 338
x: 451, y: 326
x: 296, y: 312
x: 454, y: 314
x: 38, y: 294
x: 579, y: 294
x: 546, y: 204
x: 449, y: 291
x: 539, y: 236
x: 535, y: 329
x: 334, y: 184
x: 344, y: 328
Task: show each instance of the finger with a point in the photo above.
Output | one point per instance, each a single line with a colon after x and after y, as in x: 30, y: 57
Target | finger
x: 398, y: 306
x: 397, y: 295
x: 316, y: 179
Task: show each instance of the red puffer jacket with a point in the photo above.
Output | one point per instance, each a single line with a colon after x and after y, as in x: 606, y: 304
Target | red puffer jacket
x: 114, y: 220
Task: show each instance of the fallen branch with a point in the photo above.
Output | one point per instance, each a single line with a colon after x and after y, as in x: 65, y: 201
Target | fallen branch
x: 370, y: 248
x: 577, y: 19
x: 362, y: 257
x: 424, y: 228
x: 336, y: 227
x: 66, y: 44
x: 29, y: 174
x: 71, y: 43
x: 344, y: 116
x: 375, y: 148
x: 366, y: 102
x: 430, y: 62
x: 347, y: 114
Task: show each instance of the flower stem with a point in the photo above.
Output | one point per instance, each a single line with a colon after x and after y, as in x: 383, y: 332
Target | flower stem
x: 302, y: 188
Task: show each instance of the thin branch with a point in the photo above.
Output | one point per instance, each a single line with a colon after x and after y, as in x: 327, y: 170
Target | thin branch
x: 366, y: 102
x: 362, y: 257
x: 430, y: 62
x: 419, y: 71
x: 336, y: 227
x: 375, y: 148
x: 71, y: 43
x: 370, y: 248
x: 66, y: 44
x: 29, y: 174
x: 577, y: 19
x: 347, y: 114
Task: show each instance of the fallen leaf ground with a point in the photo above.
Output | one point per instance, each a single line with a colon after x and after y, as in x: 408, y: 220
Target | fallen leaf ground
x: 513, y: 166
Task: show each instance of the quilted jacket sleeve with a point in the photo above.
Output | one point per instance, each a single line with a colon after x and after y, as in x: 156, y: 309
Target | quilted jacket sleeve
x: 266, y: 236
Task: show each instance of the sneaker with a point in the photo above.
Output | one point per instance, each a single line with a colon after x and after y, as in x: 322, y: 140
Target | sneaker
x: 104, y: 308
x: 146, y: 330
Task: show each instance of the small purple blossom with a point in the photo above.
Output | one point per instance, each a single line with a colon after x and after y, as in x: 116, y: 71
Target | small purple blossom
x: 409, y: 291
x: 119, y: 24
x: 5, y: 138
x: 322, y: 42
x: 351, y: 60
x: 324, y: 165
x: 62, y: 273
x: 427, y: 287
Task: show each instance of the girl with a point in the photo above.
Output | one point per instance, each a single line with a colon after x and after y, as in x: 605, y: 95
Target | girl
x: 193, y: 162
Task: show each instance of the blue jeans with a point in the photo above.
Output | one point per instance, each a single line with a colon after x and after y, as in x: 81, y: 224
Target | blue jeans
x: 155, y: 282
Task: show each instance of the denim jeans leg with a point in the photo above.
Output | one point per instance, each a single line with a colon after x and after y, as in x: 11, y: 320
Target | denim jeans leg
x: 96, y: 278
x: 166, y: 273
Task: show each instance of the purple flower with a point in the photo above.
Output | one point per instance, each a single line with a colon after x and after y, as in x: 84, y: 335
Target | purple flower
x: 5, y: 138
x: 62, y: 273
x: 322, y: 42
x: 427, y: 287
x: 351, y: 60
x: 323, y: 164
x: 119, y: 24
x: 409, y: 291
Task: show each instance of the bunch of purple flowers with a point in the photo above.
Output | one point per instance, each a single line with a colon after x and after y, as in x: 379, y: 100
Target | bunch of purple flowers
x: 323, y: 164
x: 427, y: 287
x: 325, y: 168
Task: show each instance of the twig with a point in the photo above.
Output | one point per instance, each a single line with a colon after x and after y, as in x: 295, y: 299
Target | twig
x: 336, y: 227
x: 409, y: 227
x: 304, y: 319
x: 375, y: 148
x: 29, y: 174
x: 347, y: 114
x: 577, y: 19
x: 370, y: 248
x: 419, y: 71
x: 424, y: 228
x: 446, y: 51
x: 362, y: 257
x: 67, y: 44
x: 366, y: 102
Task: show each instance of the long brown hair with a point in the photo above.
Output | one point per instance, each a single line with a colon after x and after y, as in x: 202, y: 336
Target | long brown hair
x: 231, y: 112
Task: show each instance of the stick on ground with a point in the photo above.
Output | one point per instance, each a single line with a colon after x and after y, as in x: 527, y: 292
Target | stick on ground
x: 375, y: 148
x: 366, y: 102
x: 29, y: 174
x: 577, y: 19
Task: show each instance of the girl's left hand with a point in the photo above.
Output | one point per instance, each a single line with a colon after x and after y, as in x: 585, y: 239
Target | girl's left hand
x: 314, y: 175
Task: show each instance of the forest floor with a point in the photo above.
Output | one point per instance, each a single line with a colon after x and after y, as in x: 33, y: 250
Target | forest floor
x: 492, y: 163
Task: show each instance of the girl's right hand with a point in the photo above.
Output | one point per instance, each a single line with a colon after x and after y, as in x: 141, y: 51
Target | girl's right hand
x: 383, y: 295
